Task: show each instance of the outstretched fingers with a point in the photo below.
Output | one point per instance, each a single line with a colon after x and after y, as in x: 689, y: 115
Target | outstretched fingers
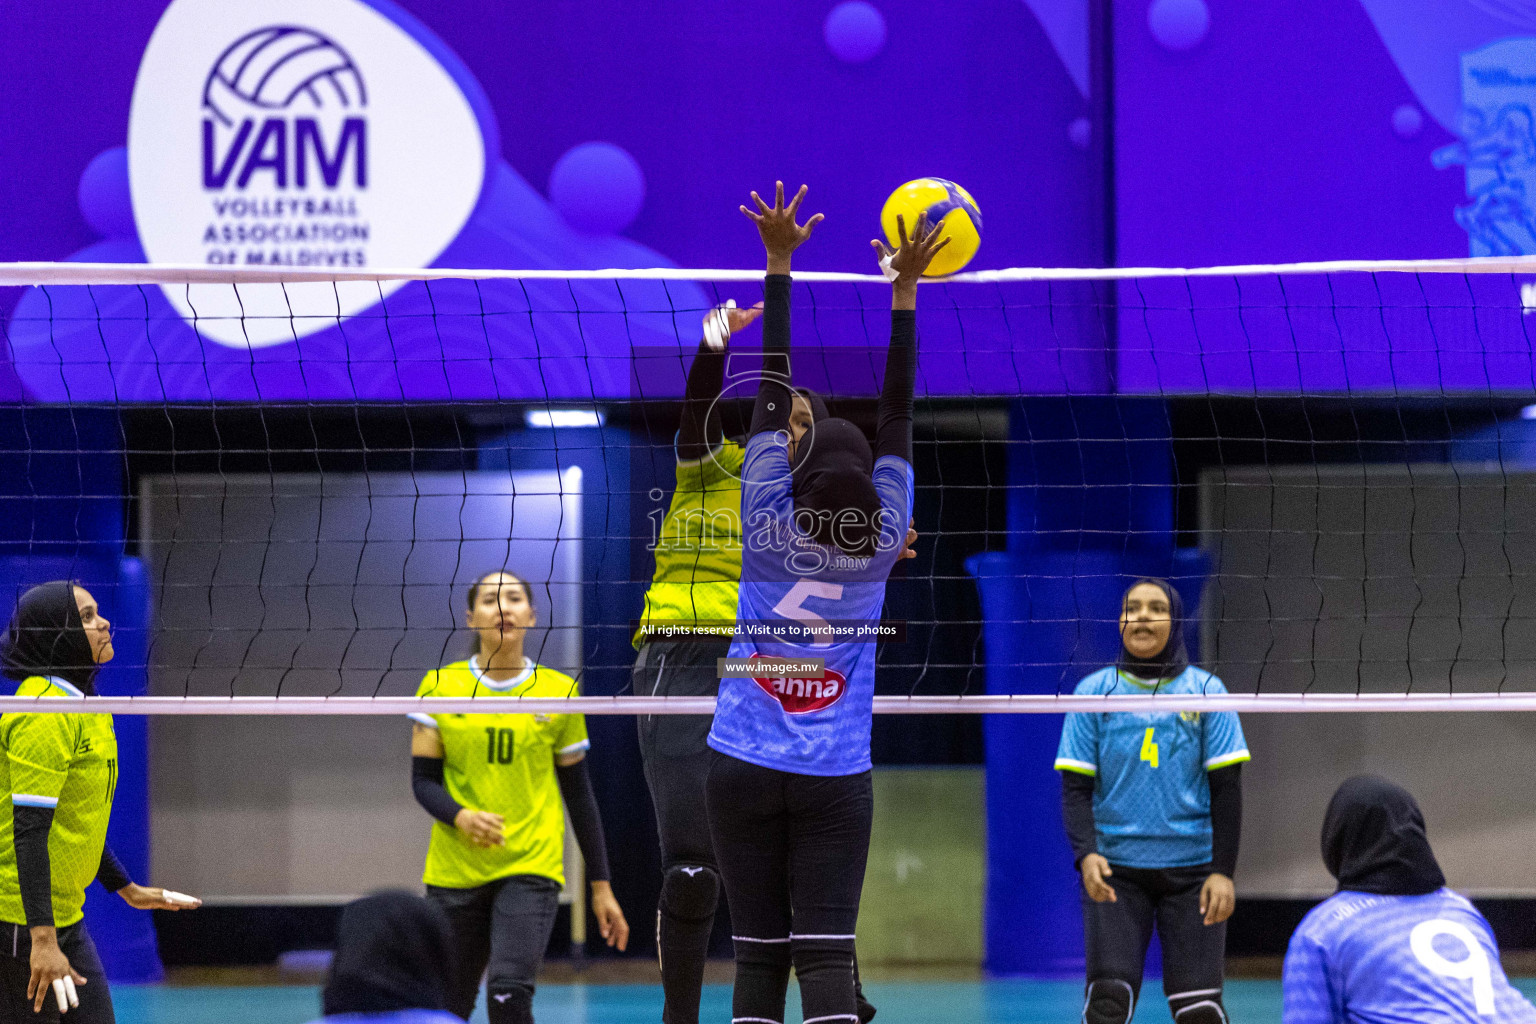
x: 778, y: 195
x: 934, y: 233
x: 794, y: 204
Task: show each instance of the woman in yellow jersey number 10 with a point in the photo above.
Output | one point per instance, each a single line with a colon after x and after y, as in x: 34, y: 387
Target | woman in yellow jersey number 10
x: 58, y: 769
x: 494, y: 783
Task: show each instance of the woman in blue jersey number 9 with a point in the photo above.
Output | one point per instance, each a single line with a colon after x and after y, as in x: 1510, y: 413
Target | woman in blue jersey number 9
x: 494, y: 782
x: 789, y: 792
x: 1393, y: 944
x: 1152, y: 804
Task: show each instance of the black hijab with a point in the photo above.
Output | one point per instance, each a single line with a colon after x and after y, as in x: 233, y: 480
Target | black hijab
x: 816, y: 402
x: 830, y: 474
x: 46, y: 638
x: 1174, y: 657
x: 1374, y: 840
x: 394, y: 951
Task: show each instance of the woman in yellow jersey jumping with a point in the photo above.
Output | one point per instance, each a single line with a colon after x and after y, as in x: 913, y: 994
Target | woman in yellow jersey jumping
x: 494, y: 782
x: 59, y: 772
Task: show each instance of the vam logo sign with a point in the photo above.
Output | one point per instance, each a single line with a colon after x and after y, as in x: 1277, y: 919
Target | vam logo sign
x: 295, y: 133
x: 280, y: 71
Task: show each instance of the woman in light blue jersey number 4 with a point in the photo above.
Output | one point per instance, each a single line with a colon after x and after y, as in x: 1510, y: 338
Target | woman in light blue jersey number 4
x: 1153, y: 807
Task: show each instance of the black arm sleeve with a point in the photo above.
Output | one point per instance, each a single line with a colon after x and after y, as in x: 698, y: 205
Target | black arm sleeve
x: 427, y: 784
x: 30, y: 826
x: 1226, y: 817
x: 1077, y: 815
x: 111, y: 873
x: 893, y: 427
x: 581, y: 805
x: 697, y: 433
x: 774, y: 399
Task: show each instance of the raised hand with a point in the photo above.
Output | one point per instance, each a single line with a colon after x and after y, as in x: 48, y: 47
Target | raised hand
x: 913, y: 255
x: 776, y: 224
x: 723, y: 321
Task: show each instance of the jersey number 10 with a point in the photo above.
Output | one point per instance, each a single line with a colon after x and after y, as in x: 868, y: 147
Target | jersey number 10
x: 498, y: 745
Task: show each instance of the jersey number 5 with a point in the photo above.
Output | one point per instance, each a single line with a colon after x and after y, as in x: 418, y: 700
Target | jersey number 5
x: 792, y: 606
x: 1149, y: 748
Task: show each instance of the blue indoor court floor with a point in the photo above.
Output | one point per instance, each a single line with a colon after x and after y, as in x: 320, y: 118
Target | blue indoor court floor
x: 1008, y: 1001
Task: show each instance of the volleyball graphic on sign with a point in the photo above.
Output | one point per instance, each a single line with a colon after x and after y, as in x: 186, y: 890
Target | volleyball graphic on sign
x: 279, y: 67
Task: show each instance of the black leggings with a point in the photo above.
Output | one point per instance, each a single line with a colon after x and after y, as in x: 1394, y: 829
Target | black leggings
x: 16, y: 971
x: 792, y: 850
x: 676, y: 760
x: 505, y: 926
x: 1194, y: 953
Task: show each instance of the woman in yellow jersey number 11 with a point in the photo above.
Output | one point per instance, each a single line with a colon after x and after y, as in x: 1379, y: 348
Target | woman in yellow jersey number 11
x: 494, y: 783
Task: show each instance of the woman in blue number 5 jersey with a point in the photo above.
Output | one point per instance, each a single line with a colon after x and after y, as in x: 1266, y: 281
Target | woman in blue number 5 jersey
x: 1393, y: 944
x: 789, y: 791
x: 1153, y: 808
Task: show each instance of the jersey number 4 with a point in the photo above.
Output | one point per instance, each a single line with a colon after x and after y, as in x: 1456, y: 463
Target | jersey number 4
x: 1149, y: 748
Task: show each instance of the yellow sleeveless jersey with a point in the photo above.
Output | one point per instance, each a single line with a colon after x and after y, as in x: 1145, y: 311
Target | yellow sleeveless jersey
x: 67, y: 762
x: 503, y: 763
x: 698, y: 549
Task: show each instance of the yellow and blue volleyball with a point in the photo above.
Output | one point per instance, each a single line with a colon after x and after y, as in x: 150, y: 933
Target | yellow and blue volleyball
x: 945, y: 203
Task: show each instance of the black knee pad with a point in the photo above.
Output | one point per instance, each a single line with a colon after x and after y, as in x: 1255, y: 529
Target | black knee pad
x: 1197, y: 1007
x: 1110, y: 1001
x: 509, y: 1004
x: 690, y: 892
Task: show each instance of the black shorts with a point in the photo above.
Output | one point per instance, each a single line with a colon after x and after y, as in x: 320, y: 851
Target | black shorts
x: 16, y: 971
x: 673, y: 748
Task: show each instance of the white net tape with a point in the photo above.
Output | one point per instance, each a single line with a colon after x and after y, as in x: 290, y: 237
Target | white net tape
x: 1160, y: 326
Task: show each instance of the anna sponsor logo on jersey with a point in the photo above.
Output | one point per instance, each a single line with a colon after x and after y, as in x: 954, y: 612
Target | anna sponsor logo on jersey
x: 799, y: 696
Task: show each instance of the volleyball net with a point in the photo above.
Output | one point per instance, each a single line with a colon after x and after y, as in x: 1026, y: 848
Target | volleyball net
x: 281, y: 483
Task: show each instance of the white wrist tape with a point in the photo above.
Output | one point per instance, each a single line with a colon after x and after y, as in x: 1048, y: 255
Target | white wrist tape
x: 178, y: 897
x: 885, y: 267
x: 717, y: 326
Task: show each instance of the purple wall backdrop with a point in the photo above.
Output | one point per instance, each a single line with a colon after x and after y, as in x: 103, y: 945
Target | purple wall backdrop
x: 1264, y: 133
x: 711, y: 101
x: 1243, y: 133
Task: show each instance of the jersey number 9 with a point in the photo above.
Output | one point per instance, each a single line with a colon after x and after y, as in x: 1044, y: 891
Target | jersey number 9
x: 1473, y: 967
x: 498, y: 745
